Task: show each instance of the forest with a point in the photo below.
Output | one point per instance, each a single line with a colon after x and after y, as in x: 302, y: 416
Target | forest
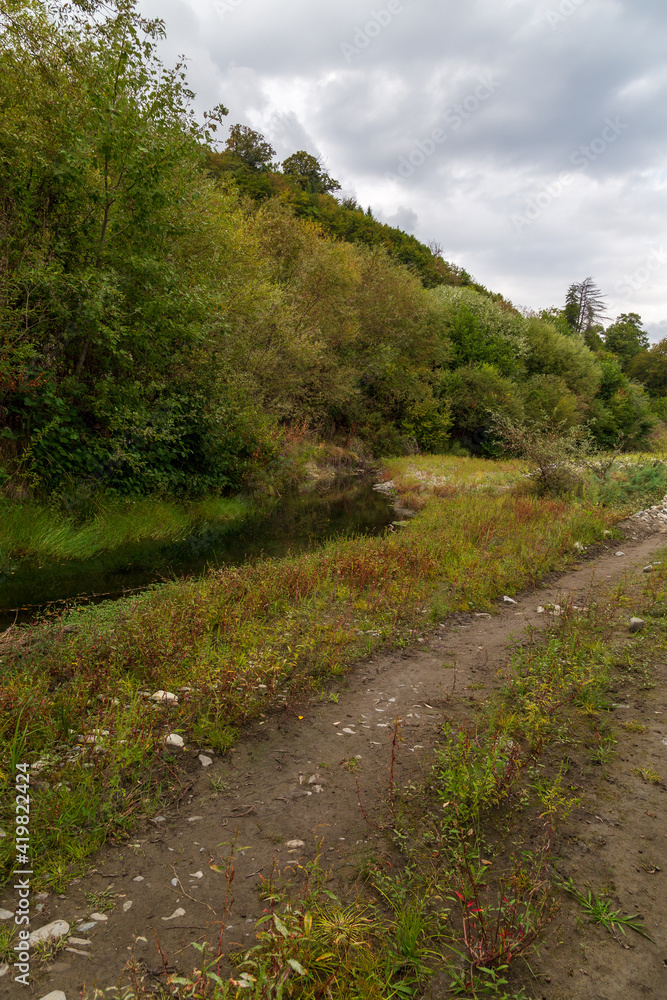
x: 175, y: 310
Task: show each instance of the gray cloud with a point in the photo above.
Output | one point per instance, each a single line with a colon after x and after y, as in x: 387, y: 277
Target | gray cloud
x: 367, y: 86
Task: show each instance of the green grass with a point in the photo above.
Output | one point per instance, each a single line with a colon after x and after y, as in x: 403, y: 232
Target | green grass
x: 288, y: 624
x: 30, y: 530
x: 600, y: 912
x: 462, y: 885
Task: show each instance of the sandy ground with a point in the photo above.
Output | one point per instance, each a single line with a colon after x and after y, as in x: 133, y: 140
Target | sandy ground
x: 287, y: 781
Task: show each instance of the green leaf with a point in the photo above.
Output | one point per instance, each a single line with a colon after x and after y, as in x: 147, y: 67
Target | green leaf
x: 296, y: 966
x: 280, y: 925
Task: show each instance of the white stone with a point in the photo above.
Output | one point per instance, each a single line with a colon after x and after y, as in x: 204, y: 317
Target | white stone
x: 180, y: 912
x: 55, y: 995
x: 2, y: 833
x: 295, y: 844
x: 193, y: 819
x: 204, y: 760
x: 4, y: 969
x: 174, y: 740
x: 80, y: 941
x: 619, y: 553
x: 541, y: 610
x: 350, y: 731
x: 636, y: 624
x: 165, y: 697
x: 579, y: 547
x: 6, y: 914
x: 138, y: 878
x: 86, y: 926
x: 98, y: 916
x: 508, y: 600
x: 196, y: 874
x: 127, y: 905
x: 49, y: 932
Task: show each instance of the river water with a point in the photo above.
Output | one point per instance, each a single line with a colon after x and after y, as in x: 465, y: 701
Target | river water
x: 301, y: 522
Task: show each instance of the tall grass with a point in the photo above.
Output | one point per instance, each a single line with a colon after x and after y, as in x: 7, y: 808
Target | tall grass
x: 31, y: 530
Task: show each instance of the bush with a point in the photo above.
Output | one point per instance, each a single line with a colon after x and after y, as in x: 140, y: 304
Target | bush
x: 553, y: 453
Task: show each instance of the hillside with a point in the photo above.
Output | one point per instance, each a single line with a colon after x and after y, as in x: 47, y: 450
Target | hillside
x: 172, y: 317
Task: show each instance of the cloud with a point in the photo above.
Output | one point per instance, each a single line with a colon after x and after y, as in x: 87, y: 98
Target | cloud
x: 367, y: 86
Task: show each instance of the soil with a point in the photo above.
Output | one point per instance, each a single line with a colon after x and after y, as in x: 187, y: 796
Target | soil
x: 320, y: 773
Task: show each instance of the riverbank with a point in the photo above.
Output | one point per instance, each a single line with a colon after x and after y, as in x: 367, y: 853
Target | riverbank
x: 80, y: 695
x: 265, y: 526
x: 466, y: 764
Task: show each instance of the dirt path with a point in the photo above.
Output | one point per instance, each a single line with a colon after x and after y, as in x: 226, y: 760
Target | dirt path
x: 310, y: 775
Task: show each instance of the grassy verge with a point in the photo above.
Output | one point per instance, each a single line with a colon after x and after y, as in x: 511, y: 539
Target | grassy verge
x: 474, y: 876
x: 31, y: 530
x: 75, y: 694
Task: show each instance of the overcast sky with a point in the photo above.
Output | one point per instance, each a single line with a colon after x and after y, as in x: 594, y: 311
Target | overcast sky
x: 526, y: 137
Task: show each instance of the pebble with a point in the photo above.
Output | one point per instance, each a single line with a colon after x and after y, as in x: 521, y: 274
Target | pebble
x: 295, y: 843
x: 579, y: 547
x: 75, y: 940
x: 98, y: 916
x: 174, y: 740
x: 49, y: 932
x: 138, y: 878
x: 180, y: 912
x: 77, y: 951
x: 159, y: 819
x: 6, y: 914
x: 636, y: 624
x: 196, y: 874
x: 165, y: 697
x: 541, y: 610
x: 350, y: 731
x: 619, y: 553
x: 87, y: 926
x: 3, y: 833
x: 508, y: 600
x: 193, y: 819
x: 127, y: 905
x: 648, y: 569
x: 4, y: 969
x: 204, y: 760
x: 54, y: 995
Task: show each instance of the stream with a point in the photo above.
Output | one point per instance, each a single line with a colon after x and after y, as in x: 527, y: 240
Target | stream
x: 303, y: 521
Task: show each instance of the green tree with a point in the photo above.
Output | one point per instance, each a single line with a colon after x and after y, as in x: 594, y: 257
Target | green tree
x: 307, y: 172
x: 249, y: 147
x: 625, y: 338
x: 650, y: 368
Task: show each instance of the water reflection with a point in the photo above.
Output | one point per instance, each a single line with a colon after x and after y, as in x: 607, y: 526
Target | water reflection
x: 303, y: 521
